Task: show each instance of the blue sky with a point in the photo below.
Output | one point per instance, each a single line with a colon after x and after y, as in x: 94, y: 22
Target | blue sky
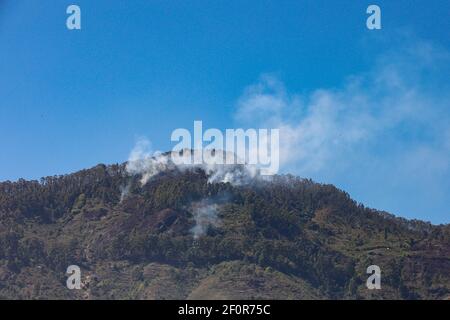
x: 72, y: 99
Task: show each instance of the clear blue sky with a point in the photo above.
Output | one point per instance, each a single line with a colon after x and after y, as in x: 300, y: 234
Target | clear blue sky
x: 72, y: 99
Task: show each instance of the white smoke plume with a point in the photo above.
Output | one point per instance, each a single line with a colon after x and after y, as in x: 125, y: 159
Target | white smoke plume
x: 147, y: 164
x: 205, y: 216
x: 124, y: 191
x: 142, y: 161
x: 387, y: 126
x: 323, y: 130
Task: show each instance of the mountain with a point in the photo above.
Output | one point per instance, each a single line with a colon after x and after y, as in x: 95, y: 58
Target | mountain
x: 181, y: 236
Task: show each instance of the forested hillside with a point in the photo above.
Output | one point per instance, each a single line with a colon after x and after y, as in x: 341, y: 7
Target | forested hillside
x: 180, y: 237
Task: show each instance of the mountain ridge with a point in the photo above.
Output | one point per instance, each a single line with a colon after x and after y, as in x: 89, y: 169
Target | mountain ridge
x: 287, y: 238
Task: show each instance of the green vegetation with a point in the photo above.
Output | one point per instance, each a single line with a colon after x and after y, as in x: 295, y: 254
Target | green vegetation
x: 288, y: 239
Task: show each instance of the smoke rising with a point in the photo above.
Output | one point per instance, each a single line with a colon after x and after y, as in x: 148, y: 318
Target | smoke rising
x: 387, y: 126
x: 147, y: 164
x: 205, y: 216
